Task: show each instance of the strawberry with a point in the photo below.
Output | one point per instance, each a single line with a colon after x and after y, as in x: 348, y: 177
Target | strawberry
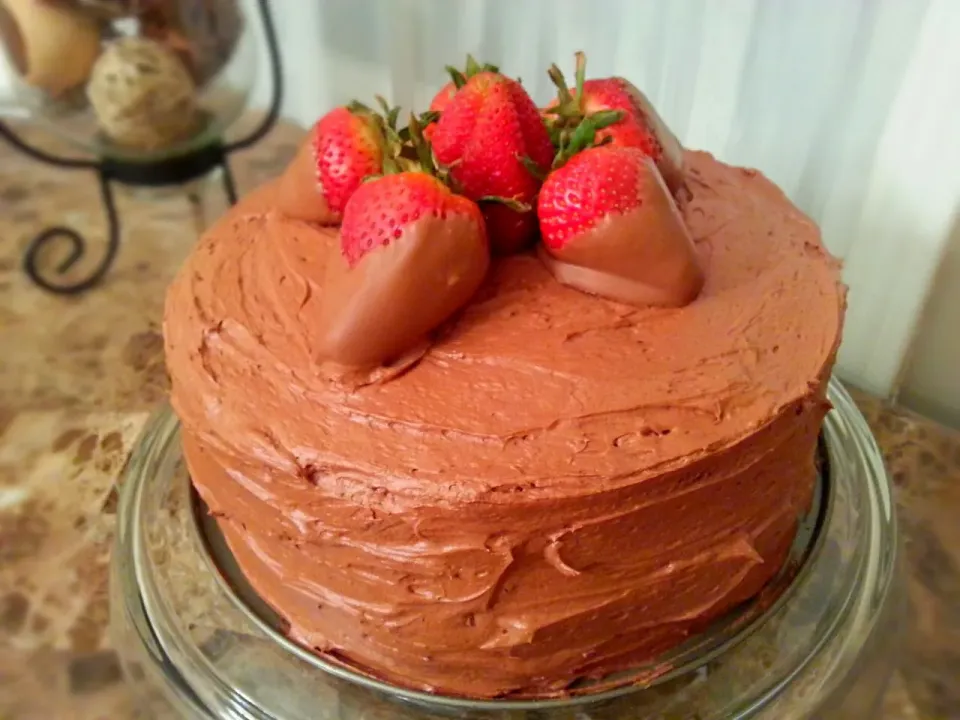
x: 345, y: 146
x: 413, y: 254
x: 611, y: 227
x: 458, y: 78
x: 494, y: 143
x: 385, y: 207
x: 438, y: 105
x: 443, y: 97
x: 640, y: 127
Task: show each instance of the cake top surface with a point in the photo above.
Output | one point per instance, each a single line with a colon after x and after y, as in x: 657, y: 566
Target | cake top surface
x: 534, y: 385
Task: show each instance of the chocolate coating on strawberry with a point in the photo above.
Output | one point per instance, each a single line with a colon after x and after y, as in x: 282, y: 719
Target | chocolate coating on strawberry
x: 487, y: 136
x: 345, y: 146
x: 300, y: 194
x: 639, y: 127
x: 413, y: 253
x: 670, y: 160
x: 611, y: 227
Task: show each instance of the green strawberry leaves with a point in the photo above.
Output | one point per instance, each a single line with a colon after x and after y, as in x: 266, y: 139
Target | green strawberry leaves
x: 404, y: 148
x: 460, y: 77
x: 535, y: 170
x: 571, y: 129
x: 571, y: 140
x: 511, y: 203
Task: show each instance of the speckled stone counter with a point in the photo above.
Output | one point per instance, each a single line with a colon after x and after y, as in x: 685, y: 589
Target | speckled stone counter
x: 79, y: 376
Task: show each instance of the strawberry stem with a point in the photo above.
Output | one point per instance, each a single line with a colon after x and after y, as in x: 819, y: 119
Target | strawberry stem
x: 357, y: 107
x: 422, y: 147
x: 460, y: 77
x: 584, y: 135
x: 605, y: 118
x: 391, y: 165
x: 581, y: 72
x: 511, y: 203
x: 394, y: 143
x: 390, y: 114
x: 404, y: 149
x: 473, y: 67
x: 532, y: 168
x: 582, y: 138
x: 571, y: 128
x: 564, y: 97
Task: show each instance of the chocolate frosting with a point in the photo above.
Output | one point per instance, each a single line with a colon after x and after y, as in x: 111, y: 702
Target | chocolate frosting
x: 557, y: 486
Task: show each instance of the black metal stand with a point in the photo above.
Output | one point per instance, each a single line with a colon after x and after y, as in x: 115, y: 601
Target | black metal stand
x: 166, y: 172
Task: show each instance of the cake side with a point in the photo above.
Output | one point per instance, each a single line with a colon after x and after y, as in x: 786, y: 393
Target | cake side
x: 557, y: 486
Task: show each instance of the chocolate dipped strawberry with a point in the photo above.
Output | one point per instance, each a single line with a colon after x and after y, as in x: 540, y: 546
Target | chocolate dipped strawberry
x: 413, y: 253
x: 345, y: 146
x: 640, y: 126
x: 611, y: 227
x: 493, y: 141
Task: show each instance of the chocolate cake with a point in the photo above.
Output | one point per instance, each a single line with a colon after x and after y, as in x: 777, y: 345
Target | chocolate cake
x: 546, y: 484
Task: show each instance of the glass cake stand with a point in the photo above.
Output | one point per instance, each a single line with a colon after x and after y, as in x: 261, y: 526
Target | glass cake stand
x: 197, y: 642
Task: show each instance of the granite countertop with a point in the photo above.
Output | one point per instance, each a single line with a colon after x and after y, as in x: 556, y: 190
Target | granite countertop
x: 79, y: 376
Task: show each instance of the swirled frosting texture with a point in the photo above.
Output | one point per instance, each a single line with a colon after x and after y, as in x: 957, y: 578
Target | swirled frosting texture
x: 557, y: 487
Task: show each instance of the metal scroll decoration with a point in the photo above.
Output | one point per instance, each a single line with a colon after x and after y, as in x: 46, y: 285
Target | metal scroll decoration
x: 162, y: 172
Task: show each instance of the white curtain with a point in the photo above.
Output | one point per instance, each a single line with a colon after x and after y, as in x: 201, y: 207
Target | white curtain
x: 852, y: 106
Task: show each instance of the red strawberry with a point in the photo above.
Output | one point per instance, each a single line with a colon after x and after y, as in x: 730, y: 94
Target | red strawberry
x: 438, y: 105
x: 640, y: 127
x: 487, y: 133
x: 413, y: 254
x: 345, y: 146
x: 611, y: 227
x: 443, y: 97
x: 458, y: 80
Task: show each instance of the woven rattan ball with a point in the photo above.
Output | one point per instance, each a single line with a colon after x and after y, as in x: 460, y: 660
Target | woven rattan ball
x: 142, y: 95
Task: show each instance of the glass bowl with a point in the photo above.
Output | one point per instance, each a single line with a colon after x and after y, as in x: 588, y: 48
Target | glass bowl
x: 131, y: 80
x: 195, y: 643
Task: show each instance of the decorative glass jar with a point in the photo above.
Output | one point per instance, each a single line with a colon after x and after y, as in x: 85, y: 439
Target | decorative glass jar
x: 131, y: 80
